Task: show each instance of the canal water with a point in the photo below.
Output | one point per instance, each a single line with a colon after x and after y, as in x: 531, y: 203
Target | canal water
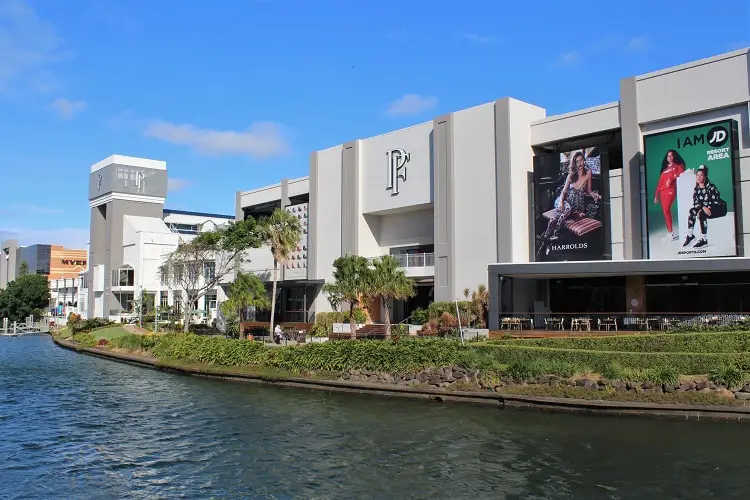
x: 73, y: 426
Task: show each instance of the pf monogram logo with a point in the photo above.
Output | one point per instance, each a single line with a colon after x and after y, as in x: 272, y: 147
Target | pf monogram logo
x: 396, y: 160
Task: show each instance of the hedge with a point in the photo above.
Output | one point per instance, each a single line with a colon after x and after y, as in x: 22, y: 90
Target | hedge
x: 688, y: 342
x: 687, y: 363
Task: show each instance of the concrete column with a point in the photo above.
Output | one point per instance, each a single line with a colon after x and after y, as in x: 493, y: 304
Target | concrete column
x: 494, y: 289
x: 312, y: 219
x: 633, y: 244
x: 442, y: 155
x: 350, y: 198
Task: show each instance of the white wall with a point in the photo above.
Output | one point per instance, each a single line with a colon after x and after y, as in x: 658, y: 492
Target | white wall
x: 326, y: 194
x: 704, y: 85
x: 474, y: 197
x: 578, y: 123
x: 416, y: 189
x: 261, y: 195
x: 406, y: 228
x: 522, y: 164
x: 296, y: 187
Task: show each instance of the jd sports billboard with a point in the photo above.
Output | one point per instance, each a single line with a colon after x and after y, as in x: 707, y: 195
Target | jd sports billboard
x: 690, y: 192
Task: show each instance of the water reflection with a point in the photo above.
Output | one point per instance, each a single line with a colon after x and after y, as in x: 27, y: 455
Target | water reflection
x: 80, y: 427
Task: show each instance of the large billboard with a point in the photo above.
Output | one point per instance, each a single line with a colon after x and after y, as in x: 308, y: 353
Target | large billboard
x: 690, y: 192
x: 568, y: 206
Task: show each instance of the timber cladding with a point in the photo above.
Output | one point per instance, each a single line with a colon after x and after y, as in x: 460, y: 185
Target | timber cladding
x: 66, y: 263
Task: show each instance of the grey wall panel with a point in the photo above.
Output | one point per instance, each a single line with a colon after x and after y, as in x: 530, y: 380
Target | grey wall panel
x: 312, y: 223
x: 129, y: 180
x: 502, y: 186
x: 443, y: 207
x: 284, y: 193
x: 632, y: 236
x: 349, y: 198
x: 238, y: 213
x: 8, y: 262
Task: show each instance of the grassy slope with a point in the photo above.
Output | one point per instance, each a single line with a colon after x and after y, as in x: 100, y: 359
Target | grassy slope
x: 109, y: 332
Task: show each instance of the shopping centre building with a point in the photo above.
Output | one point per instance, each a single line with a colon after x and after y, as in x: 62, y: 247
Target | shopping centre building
x: 630, y: 206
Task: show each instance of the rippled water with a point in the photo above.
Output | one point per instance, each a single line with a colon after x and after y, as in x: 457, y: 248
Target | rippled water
x: 73, y: 426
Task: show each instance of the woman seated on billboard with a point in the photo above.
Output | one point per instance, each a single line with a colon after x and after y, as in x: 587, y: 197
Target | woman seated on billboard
x: 707, y: 204
x: 666, y: 189
x: 572, y: 199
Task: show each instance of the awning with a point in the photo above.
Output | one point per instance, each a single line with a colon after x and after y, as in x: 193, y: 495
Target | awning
x: 595, y: 268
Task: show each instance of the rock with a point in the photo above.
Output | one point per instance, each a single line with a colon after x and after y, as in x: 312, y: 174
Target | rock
x: 604, y: 382
x: 647, y: 385
x: 591, y: 385
x: 744, y: 396
x: 402, y: 382
x: 506, y: 379
x: 373, y: 378
x: 413, y: 382
x: 619, y: 385
x: 434, y: 379
x: 668, y: 388
x: 388, y: 379
x: 498, y: 388
x: 712, y: 386
x: 634, y: 386
x: 445, y: 384
x: 555, y: 382
x: 581, y: 382
x: 423, y: 377
x: 658, y: 389
x: 355, y: 372
x: 345, y: 376
x: 724, y: 393
x: 701, y: 384
x: 746, y: 388
x: 686, y: 386
x: 544, y: 379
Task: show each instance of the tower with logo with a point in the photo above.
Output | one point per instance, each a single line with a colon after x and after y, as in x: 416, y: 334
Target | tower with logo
x: 118, y: 186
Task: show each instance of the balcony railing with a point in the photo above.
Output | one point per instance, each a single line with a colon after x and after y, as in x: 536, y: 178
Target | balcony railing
x: 415, y: 260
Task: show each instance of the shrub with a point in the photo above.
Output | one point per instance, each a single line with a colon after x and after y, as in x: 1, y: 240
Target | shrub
x: 134, y: 342
x: 437, y: 309
x: 561, y: 368
x: 204, y: 330
x: 444, y: 326
x: 102, y: 342
x: 613, y: 370
x: 419, y: 317
x: 520, y: 371
x: 690, y: 342
x: 84, y: 339
x: 727, y: 375
x: 89, y: 325
x: 73, y: 318
x: 324, y: 321
x: 663, y: 375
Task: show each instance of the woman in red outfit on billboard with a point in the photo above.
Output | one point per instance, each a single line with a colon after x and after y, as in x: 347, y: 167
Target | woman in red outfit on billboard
x: 666, y: 190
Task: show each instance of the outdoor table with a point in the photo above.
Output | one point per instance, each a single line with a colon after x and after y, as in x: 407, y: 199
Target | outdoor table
x: 650, y: 321
x: 608, y: 323
x: 554, y: 323
x: 580, y: 323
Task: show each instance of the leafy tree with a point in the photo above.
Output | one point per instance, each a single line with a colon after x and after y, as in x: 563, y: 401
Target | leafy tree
x: 24, y: 269
x: 28, y: 295
x: 201, y: 264
x: 246, y: 291
x: 282, y: 232
x: 388, y: 282
x: 143, y: 305
x: 351, y: 282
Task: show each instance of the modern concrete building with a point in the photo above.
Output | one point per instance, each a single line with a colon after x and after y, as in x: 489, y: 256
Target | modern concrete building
x: 132, y: 233
x: 53, y: 261
x: 564, y: 213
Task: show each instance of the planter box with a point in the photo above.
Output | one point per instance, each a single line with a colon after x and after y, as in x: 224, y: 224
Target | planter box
x: 476, y: 333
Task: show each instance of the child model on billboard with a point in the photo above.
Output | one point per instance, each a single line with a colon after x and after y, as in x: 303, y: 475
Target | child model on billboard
x: 677, y: 174
x: 666, y: 190
x: 707, y: 204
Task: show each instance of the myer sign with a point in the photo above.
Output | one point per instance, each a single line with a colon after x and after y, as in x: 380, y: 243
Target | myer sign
x: 396, y: 160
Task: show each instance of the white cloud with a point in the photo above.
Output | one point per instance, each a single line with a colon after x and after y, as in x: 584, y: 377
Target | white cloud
x: 175, y: 184
x: 481, y: 39
x: 67, y: 109
x: 411, y: 104
x: 568, y: 59
x: 28, y: 48
x: 637, y: 44
x: 75, y: 238
x: 260, y: 140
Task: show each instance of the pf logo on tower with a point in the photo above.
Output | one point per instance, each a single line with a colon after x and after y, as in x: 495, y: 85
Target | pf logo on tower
x: 396, y: 160
x: 717, y: 136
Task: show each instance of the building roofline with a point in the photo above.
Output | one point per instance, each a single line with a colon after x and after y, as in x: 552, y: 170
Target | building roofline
x: 130, y: 161
x: 167, y: 211
x: 275, y: 185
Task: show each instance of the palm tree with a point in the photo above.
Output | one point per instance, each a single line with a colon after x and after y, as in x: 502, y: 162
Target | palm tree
x: 247, y: 290
x: 351, y: 281
x: 282, y: 231
x: 388, y: 281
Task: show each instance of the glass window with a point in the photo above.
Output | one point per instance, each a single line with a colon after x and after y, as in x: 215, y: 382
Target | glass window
x: 164, y: 300
x: 123, y: 276
x: 209, y: 270
x: 209, y: 301
x: 178, y: 305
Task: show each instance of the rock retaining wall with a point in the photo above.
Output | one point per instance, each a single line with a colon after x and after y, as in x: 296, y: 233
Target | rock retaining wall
x: 454, y: 376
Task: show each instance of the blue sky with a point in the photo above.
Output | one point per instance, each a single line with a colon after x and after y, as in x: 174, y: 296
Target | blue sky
x: 235, y: 94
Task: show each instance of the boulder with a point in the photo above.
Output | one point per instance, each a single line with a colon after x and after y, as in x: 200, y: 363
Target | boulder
x: 724, y: 393
x: 591, y: 385
x: 647, y: 385
x: 701, y: 384
x: 634, y: 386
x: 581, y: 382
x: 445, y: 384
x: 687, y: 386
x: 668, y: 388
x: 712, y: 386
x: 619, y: 385
x: 604, y: 382
x: 744, y: 396
x: 746, y: 388
x: 544, y: 379
x: 373, y: 379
